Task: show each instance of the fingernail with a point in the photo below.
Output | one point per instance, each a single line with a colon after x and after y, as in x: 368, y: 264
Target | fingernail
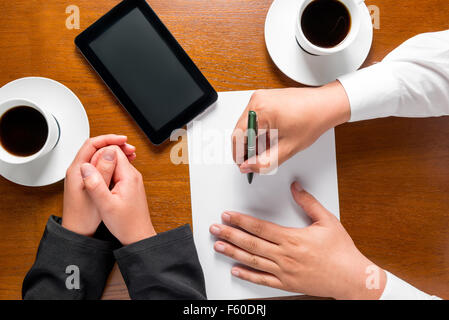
x: 226, y: 217
x: 87, y: 170
x: 130, y: 146
x: 123, y: 137
x: 235, y: 272
x: 219, y: 247
x: 215, y: 230
x: 108, y: 154
x: 244, y: 169
x: 298, y: 187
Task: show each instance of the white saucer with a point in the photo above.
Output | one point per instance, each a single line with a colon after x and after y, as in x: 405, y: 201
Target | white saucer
x: 72, y: 118
x: 301, y: 66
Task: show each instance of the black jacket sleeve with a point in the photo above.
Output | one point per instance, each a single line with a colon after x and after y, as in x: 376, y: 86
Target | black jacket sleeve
x: 165, y: 266
x: 64, y: 257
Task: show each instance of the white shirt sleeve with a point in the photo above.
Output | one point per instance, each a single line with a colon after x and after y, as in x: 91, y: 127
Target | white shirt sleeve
x: 397, y: 289
x: 412, y: 81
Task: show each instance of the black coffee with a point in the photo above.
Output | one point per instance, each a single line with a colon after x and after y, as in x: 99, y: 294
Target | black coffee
x: 23, y: 131
x: 326, y: 23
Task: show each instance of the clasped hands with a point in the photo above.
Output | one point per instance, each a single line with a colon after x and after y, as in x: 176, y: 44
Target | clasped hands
x: 102, y: 185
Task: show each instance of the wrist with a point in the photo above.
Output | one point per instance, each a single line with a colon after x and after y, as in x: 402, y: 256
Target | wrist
x: 366, y: 281
x: 84, y: 229
x: 335, y: 107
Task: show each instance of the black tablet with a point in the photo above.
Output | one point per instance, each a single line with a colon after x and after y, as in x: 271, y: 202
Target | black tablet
x: 146, y: 69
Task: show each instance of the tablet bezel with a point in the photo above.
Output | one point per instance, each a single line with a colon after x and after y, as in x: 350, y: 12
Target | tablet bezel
x: 83, y: 40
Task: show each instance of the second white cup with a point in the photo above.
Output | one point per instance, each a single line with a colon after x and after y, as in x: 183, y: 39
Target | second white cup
x: 355, y: 12
x: 52, y: 136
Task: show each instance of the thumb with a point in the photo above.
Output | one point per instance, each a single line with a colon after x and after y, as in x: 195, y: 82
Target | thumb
x: 309, y: 204
x: 95, y: 185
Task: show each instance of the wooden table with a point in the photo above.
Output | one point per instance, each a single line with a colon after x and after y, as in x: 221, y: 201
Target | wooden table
x: 393, y: 173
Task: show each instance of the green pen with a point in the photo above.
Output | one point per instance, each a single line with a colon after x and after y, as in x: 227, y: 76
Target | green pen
x: 252, y: 137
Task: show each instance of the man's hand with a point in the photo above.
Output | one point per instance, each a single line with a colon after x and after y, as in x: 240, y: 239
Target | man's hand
x: 319, y: 260
x: 79, y: 213
x: 124, y: 209
x: 301, y: 116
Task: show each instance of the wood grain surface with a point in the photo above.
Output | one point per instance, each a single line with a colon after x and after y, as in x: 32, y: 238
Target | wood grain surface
x: 393, y: 173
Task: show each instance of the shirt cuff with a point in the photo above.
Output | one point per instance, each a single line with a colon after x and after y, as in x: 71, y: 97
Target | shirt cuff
x: 160, y: 239
x: 373, y: 92
x: 165, y: 266
x: 397, y: 289
x: 68, y: 265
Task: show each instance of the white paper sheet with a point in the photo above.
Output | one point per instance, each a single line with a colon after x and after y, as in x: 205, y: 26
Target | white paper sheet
x: 217, y: 186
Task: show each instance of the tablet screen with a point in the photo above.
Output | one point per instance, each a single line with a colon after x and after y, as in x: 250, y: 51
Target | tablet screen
x: 146, y: 68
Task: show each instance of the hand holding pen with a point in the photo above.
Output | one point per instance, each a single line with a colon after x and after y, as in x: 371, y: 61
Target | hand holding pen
x: 300, y: 116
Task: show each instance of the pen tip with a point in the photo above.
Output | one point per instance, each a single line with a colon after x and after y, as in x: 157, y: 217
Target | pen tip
x: 250, y: 177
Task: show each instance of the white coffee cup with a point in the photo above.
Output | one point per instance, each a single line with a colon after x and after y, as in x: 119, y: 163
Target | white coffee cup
x: 355, y: 11
x: 52, y: 136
